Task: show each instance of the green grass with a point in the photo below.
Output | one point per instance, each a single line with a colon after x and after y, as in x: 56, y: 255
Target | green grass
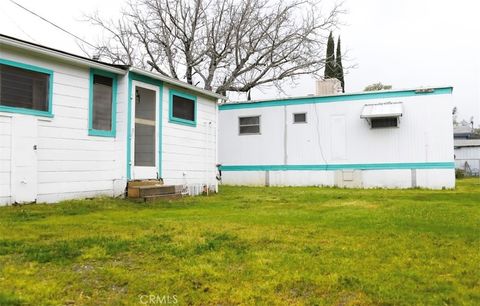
x: 246, y: 245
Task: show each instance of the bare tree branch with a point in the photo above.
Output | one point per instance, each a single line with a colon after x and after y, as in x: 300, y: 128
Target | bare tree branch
x: 221, y: 45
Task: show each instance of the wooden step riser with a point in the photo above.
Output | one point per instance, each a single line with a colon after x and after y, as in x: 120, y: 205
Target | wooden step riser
x: 145, y: 183
x: 157, y: 191
x: 139, y: 192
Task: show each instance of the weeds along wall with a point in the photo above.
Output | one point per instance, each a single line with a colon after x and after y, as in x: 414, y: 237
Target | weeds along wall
x: 336, y: 147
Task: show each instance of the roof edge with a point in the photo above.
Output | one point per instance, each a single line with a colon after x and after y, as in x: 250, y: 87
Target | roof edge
x: 339, y: 97
x: 85, y: 61
x: 176, y: 82
x: 80, y: 60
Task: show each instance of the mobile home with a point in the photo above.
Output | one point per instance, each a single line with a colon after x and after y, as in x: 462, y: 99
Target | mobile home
x: 73, y: 127
x: 391, y: 139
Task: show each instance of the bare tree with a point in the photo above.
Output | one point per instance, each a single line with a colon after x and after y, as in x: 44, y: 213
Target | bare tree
x: 221, y: 45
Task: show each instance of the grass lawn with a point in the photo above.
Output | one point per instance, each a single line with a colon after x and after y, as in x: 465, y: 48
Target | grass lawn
x: 246, y: 245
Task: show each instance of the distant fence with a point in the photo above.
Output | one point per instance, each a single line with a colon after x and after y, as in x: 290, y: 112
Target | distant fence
x: 470, y: 167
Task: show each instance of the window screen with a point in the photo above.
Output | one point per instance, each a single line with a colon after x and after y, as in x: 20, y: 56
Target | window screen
x: 300, y: 118
x: 24, y: 88
x: 183, y: 108
x: 249, y: 125
x: 102, y: 103
x: 384, y: 122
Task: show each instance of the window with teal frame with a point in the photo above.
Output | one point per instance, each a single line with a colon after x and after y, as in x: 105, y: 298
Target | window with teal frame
x: 25, y: 89
x: 182, y: 108
x: 102, y: 103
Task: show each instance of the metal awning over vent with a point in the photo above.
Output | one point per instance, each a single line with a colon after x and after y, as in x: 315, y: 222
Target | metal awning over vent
x: 382, y: 110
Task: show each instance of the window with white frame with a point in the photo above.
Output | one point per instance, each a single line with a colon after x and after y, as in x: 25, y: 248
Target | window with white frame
x: 249, y: 125
x: 300, y: 118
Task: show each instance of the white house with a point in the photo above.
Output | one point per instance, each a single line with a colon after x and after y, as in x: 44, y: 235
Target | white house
x: 396, y: 138
x: 73, y: 127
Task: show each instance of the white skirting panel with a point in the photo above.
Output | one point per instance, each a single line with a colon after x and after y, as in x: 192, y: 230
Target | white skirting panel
x: 401, y: 178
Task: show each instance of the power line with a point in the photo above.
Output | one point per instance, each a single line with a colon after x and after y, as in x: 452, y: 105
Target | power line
x: 18, y: 26
x: 53, y: 24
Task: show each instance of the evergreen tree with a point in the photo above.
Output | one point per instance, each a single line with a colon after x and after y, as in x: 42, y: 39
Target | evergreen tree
x: 339, y: 66
x: 330, y: 59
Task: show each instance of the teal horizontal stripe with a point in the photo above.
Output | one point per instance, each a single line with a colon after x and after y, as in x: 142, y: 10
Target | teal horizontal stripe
x: 339, y: 98
x: 384, y: 166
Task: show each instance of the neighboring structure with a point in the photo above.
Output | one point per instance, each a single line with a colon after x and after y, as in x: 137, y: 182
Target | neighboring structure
x: 462, y: 132
x: 467, y: 156
x: 72, y: 127
x: 396, y: 138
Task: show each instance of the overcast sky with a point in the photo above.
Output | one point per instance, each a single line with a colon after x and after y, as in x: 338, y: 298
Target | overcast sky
x: 406, y: 44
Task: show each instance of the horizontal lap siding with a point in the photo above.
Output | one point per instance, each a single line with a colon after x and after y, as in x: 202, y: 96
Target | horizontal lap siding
x: 70, y: 162
x: 5, y: 154
x: 189, y: 150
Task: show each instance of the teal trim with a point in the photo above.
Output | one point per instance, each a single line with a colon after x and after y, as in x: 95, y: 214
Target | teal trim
x: 132, y: 76
x: 91, y: 130
x: 332, y: 167
x: 338, y: 98
x: 160, y: 129
x: 27, y: 111
x: 173, y: 119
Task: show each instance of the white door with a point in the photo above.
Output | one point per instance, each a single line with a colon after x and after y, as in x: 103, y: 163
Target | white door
x: 24, y: 159
x: 145, y: 153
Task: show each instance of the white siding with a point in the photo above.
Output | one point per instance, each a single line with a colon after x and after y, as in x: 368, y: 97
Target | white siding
x: 5, y: 155
x: 189, y: 152
x: 71, y: 164
x: 335, y: 134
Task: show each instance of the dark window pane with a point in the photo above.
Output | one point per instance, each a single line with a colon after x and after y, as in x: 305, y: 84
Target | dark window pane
x: 384, y: 122
x: 23, y: 88
x: 250, y: 129
x: 102, y: 103
x: 250, y: 120
x: 300, y: 118
x: 249, y: 125
x: 183, y: 108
